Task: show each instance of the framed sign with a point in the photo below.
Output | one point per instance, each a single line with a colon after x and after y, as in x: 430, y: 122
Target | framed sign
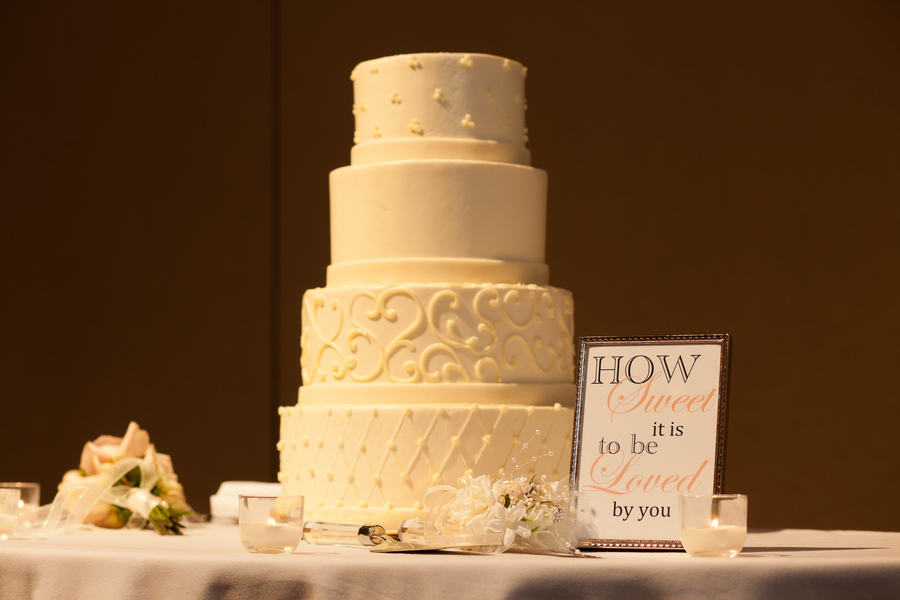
x: 649, y: 425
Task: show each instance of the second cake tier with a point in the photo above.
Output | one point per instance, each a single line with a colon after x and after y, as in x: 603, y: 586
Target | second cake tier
x: 452, y: 221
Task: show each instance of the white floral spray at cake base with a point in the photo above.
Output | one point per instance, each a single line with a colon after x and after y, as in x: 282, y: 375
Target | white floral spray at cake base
x: 517, y: 512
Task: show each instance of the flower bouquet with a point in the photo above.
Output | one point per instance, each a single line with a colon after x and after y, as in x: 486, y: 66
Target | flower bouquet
x: 121, y: 482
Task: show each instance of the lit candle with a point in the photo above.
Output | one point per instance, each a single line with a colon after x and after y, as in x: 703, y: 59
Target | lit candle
x: 8, y: 524
x: 714, y: 524
x: 9, y: 512
x: 714, y: 540
x: 270, y: 524
x: 271, y: 538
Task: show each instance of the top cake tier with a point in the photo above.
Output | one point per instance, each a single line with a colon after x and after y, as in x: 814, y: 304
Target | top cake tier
x: 452, y: 106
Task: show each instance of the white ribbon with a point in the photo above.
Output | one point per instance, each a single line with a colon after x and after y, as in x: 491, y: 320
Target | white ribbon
x: 141, y: 502
x: 75, y: 499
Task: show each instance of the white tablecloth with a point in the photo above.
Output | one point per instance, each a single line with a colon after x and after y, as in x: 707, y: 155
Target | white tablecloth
x: 209, y: 562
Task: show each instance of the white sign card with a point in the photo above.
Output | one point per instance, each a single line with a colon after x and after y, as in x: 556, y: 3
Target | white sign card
x: 649, y: 425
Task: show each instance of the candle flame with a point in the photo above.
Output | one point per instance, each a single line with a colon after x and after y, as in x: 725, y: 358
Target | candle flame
x: 715, y: 522
x: 271, y: 521
x: 21, y: 503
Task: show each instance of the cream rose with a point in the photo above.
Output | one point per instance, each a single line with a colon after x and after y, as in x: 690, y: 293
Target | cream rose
x: 109, y: 448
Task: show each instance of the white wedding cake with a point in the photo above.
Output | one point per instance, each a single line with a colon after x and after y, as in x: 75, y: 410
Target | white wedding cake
x: 436, y: 349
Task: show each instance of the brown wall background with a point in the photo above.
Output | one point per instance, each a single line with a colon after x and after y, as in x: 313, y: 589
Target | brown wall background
x: 713, y: 168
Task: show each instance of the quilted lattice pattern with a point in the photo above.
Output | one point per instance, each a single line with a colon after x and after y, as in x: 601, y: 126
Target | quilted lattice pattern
x: 388, y: 457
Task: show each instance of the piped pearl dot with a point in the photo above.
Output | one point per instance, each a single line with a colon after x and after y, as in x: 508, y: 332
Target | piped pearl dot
x: 363, y: 504
x: 418, y: 506
x: 404, y: 476
x: 312, y: 472
x: 362, y: 446
x: 455, y: 440
x: 486, y: 439
x: 340, y: 442
x: 305, y: 441
x: 436, y: 478
x: 348, y: 412
x: 377, y: 480
x: 350, y: 476
x: 392, y: 446
x: 330, y: 476
x: 374, y: 412
x: 420, y: 442
x: 388, y: 505
x: 408, y: 412
x: 338, y: 504
x: 320, y: 442
x: 328, y: 411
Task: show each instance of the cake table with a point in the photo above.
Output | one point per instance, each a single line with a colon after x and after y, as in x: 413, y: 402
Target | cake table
x: 209, y: 562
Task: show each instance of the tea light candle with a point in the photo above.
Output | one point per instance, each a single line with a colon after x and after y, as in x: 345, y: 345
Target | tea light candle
x: 273, y: 538
x: 714, y: 540
x: 29, y: 500
x: 270, y: 524
x: 713, y: 525
x: 8, y: 524
x: 9, y: 512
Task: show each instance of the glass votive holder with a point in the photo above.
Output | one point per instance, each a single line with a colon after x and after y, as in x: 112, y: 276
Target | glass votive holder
x: 713, y: 525
x: 270, y: 524
x: 9, y: 512
x: 29, y: 500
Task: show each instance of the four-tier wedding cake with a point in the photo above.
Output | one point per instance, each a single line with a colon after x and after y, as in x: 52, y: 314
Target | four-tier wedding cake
x: 436, y: 349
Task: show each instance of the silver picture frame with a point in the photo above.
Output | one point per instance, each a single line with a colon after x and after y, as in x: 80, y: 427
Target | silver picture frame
x: 605, y: 531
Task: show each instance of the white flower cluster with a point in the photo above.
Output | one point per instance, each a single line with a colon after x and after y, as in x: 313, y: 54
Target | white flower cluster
x: 519, y: 511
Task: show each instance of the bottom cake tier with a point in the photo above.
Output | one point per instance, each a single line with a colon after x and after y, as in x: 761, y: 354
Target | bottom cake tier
x: 374, y: 463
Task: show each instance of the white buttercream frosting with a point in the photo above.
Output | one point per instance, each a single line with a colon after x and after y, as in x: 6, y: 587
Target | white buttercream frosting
x: 374, y: 463
x: 452, y: 210
x: 437, y: 334
x: 439, y: 98
x: 408, y: 385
